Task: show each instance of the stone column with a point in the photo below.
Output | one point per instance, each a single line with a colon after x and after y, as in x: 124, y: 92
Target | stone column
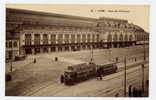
x: 63, y: 38
x: 56, y: 38
x: 75, y: 38
x: 86, y: 38
x: 49, y: 38
x: 41, y: 39
x: 32, y: 40
x: 80, y: 38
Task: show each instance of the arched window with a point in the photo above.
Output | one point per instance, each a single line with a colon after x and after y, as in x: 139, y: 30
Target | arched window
x: 10, y: 44
x: 126, y: 37
x: 115, y: 38
x: 15, y: 44
x: 109, y: 38
x: 130, y: 38
x: 121, y: 37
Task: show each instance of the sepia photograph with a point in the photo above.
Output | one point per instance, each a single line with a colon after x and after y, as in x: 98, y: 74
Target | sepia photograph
x: 77, y: 50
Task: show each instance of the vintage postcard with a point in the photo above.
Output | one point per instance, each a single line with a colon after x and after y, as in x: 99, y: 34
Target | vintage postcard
x: 77, y: 50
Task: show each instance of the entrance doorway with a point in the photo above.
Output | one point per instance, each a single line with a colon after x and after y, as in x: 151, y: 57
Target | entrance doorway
x: 37, y: 50
x: 28, y: 51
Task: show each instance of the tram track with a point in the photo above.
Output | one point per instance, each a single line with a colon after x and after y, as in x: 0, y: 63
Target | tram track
x: 57, y: 89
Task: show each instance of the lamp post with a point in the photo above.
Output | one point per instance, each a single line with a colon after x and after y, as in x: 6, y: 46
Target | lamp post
x: 144, y: 49
x: 11, y: 56
x: 143, y: 65
x: 92, y: 59
x: 125, y: 73
x: 125, y: 77
x: 142, y: 77
x: 109, y: 54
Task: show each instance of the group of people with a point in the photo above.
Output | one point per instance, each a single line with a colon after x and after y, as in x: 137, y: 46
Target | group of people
x: 134, y: 92
x: 62, y: 78
x: 34, y: 61
x: 99, y: 74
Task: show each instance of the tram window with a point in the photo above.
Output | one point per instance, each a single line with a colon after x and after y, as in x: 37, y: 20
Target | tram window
x: 7, y: 44
x: 10, y: 44
x: 70, y: 68
x: 15, y: 44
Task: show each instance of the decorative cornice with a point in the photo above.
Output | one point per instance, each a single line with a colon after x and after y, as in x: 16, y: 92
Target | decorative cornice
x: 12, y: 10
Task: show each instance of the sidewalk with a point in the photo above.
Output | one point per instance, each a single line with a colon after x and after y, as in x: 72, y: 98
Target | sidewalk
x: 18, y: 64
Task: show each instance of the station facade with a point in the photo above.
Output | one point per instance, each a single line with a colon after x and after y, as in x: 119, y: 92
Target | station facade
x: 40, y: 32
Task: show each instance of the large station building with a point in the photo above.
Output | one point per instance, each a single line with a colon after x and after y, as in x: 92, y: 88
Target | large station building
x: 32, y: 32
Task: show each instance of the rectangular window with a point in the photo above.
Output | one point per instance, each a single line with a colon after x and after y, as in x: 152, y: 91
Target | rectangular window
x: 97, y: 37
x: 15, y: 43
x: 78, y: 38
x: 60, y: 38
x: 72, y: 38
x: 88, y: 37
x: 53, y: 39
x: 37, y: 39
x: 93, y: 38
x: 83, y: 38
x: 28, y: 39
x: 10, y: 44
x: 45, y: 39
x: 66, y: 38
x: 6, y: 44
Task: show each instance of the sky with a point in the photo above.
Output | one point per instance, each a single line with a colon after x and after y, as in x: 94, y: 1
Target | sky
x: 136, y: 14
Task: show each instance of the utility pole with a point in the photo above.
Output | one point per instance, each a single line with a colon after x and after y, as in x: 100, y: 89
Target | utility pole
x: 11, y: 56
x: 109, y: 53
x: 144, y: 49
x: 125, y: 78
x: 92, y: 58
x: 142, y: 77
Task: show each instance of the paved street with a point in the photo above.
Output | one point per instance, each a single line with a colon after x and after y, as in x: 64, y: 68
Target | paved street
x: 42, y: 78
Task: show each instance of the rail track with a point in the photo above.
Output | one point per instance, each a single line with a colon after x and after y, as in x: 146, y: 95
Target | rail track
x: 56, y: 87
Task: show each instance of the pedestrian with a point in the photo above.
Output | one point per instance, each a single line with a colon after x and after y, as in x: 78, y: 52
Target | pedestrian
x: 140, y: 93
x: 116, y: 59
x: 62, y: 78
x: 130, y: 91
x: 56, y: 59
x: 134, y: 92
x: 147, y: 82
x: 34, y: 60
x: 117, y: 95
x: 100, y: 77
x: 99, y: 73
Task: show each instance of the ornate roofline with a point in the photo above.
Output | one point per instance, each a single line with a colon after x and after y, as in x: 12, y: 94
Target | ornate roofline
x: 12, y: 10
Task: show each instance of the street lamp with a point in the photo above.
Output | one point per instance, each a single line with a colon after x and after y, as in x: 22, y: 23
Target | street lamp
x: 144, y: 49
x: 92, y: 59
x: 125, y: 73
x: 109, y: 54
x: 142, y: 77
x: 125, y: 77
x: 11, y: 56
